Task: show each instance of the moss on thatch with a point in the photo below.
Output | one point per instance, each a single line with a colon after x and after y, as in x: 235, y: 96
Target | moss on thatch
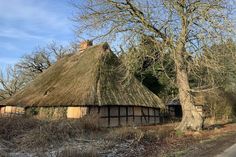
x: 92, y: 77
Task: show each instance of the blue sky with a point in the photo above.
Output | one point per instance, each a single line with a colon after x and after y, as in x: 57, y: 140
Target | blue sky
x: 26, y: 24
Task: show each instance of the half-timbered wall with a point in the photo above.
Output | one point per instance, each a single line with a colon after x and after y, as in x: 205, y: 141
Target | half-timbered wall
x: 11, y: 111
x: 111, y: 116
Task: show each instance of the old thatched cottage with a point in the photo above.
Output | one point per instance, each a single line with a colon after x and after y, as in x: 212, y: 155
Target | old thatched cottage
x: 88, y: 82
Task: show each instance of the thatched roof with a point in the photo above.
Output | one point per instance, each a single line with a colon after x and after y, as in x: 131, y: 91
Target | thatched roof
x: 92, y: 77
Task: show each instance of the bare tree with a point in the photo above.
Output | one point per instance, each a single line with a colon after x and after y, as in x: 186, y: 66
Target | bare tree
x: 217, y: 67
x: 33, y: 64
x: 10, y: 82
x: 214, y: 72
x: 58, y: 51
x: 12, y: 79
x: 180, y: 28
x: 41, y: 59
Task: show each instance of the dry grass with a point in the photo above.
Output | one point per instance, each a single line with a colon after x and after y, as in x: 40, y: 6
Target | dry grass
x: 14, y: 126
x: 142, y: 134
x: 32, y: 135
x: 125, y: 133
x: 29, y: 133
x: 90, y: 123
x: 69, y: 152
x: 48, y: 134
x: 4, y: 154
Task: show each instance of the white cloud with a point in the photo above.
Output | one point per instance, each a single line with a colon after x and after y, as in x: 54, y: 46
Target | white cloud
x: 25, y: 24
x: 34, y: 11
x: 33, y: 22
x: 17, y: 34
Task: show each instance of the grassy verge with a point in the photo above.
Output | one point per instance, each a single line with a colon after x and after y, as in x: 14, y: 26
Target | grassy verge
x: 84, y: 137
x: 28, y: 133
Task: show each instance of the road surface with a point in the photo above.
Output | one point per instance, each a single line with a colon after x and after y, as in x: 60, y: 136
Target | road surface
x: 229, y: 152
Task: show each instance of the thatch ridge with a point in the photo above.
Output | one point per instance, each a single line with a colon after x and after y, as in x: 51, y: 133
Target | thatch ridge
x: 92, y: 77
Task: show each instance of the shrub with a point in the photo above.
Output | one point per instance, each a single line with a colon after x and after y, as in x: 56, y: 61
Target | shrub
x: 150, y: 136
x: 179, y: 133
x: 11, y: 127
x: 125, y: 133
x: 90, y: 123
x: 139, y: 134
x: 31, y: 133
x: 49, y: 134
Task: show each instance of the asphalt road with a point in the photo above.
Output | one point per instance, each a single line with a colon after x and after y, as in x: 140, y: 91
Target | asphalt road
x: 229, y: 152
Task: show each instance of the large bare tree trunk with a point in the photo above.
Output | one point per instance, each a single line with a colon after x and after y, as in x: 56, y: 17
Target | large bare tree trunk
x: 192, y: 119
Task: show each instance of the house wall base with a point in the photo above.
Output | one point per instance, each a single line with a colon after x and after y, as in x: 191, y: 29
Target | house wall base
x: 109, y: 116
x: 52, y: 113
x: 9, y: 111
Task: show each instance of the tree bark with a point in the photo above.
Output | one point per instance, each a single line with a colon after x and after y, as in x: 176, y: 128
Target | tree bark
x: 192, y: 119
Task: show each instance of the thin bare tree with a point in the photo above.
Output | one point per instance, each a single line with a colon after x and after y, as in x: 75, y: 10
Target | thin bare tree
x: 57, y: 51
x: 14, y: 78
x: 180, y: 28
x: 10, y: 82
x: 41, y: 59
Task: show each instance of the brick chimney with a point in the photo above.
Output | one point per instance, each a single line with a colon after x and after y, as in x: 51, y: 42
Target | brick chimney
x: 85, y: 44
